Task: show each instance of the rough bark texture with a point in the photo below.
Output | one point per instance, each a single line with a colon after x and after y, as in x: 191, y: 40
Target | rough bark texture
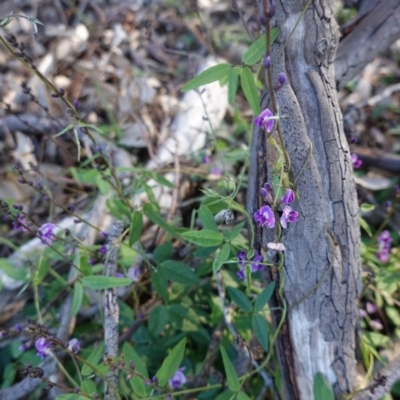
x: 371, y: 34
x: 322, y: 270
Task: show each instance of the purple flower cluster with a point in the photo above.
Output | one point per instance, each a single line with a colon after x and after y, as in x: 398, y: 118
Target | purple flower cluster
x: 46, y: 233
x: 371, y: 308
x: 178, y: 379
x: 265, y: 216
x: 44, y: 346
x: 355, y: 161
x: 384, y: 241
x: 256, y: 264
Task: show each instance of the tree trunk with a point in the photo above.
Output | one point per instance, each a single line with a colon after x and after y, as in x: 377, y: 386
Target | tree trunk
x: 322, y: 270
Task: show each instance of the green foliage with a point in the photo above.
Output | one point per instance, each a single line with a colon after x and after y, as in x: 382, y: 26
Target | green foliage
x: 321, y: 389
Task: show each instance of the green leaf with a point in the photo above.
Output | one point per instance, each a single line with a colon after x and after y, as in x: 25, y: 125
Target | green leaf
x: 231, y: 376
x: 89, y: 387
x: 77, y: 298
x: 210, y: 75
x: 375, y: 339
x: 161, y: 179
x: 250, y: 90
x: 138, y: 385
x: 160, y: 283
x: 19, y: 274
x: 260, y: 329
x: 242, y: 396
x: 367, y: 207
x: 103, y: 185
x: 221, y: 256
x: 171, y: 363
x: 203, y: 238
x: 236, y: 230
x: 98, y: 282
x: 365, y: 226
x: 240, y: 299
x: 179, y: 272
x: 153, y: 214
x: 321, y: 389
x: 163, y: 252
x: 233, y: 81
x: 93, y: 359
x: 158, y: 318
x: 207, y: 219
x: 136, y: 227
x: 264, y: 296
x: 258, y: 48
x: 70, y: 396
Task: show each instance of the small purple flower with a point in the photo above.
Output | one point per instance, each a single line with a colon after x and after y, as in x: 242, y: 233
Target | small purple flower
x: 18, y: 328
x: 206, y: 159
x: 362, y: 313
x: 256, y: 264
x: 265, y: 216
x: 42, y: 347
x: 216, y: 171
x: 46, y: 233
x: 371, y: 308
x: 119, y: 275
x: 288, y: 197
x: 75, y: 104
x: 19, y: 223
x: 103, y: 250
x: 74, y: 345
x: 24, y: 346
x: 266, y: 120
x: 355, y: 161
x: 267, y: 62
x: 288, y: 216
x: 376, y: 324
x: 384, y: 241
x: 178, y: 379
x: 282, y: 78
x: 133, y: 273
x: 266, y: 193
x: 104, y: 234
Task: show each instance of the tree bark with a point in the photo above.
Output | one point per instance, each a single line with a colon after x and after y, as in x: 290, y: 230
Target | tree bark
x: 372, y: 32
x: 322, y: 270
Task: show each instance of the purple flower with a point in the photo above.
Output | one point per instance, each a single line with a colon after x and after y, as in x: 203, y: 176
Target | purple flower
x: 376, y: 324
x: 266, y: 120
x: 177, y: 380
x: 206, y: 159
x: 282, y: 78
x: 18, y: 328
x: 276, y: 246
x: 133, y: 273
x: 119, y: 275
x: 362, y: 313
x: 355, y: 161
x: 384, y: 241
x: 267, y: 62
x: 42, y: 347
x: 216, y: 171
x: 371, y: 308
x: 256, y: 264
x: 74, y: 345
x: 288, y: 197
x: 46, y: 233
x: 266, y: 193
x: 103, y: 250
x: 24, y: 346
x: 265, y: 216
x: 288, y: 216
x: 17, y: 223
